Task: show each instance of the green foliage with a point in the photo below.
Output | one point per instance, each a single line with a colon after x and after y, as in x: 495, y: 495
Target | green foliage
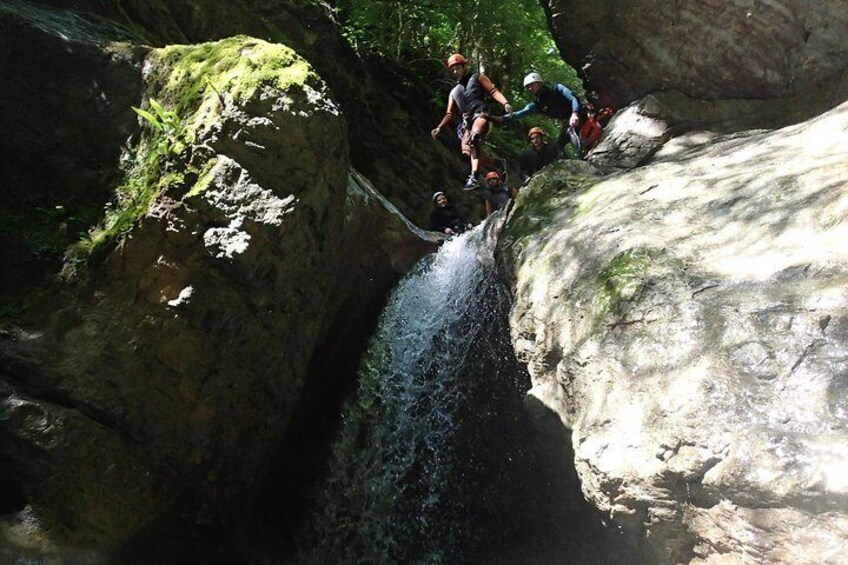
x: 154, y: 167
x: 507, y: 39
x: 167, y: 123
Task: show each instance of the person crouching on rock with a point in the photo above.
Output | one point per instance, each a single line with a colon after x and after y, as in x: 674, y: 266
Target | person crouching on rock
x: 468, y: 99
x: 445, y: 218
x: 497, y: 193
x: 539, y: 154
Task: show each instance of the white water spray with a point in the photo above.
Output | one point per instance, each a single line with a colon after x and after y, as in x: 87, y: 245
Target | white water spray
x: 385, y: 496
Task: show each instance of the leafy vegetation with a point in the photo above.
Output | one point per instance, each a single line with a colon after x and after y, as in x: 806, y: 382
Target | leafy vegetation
x: 506, y: 39
x: 153, y: 168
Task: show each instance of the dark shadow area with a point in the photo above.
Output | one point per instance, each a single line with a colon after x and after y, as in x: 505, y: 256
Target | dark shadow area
x: 278, y: 506
x: 281, y: 502
x: 12, y: 497
x: 518, y: 495
x: 66, y: 111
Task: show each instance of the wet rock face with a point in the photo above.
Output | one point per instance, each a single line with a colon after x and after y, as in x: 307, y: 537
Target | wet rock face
x: 163, y: 386
x: 688, y: 322
x: 709, y: 50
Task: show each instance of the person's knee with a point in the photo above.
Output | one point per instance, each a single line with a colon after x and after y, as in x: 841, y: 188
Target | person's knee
x: 480, y: 126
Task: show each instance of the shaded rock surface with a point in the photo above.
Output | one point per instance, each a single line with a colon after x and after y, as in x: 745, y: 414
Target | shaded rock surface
x: 159, y: 390
x: 66, y: 115
x: 688, y: 321
x: 709, y: 50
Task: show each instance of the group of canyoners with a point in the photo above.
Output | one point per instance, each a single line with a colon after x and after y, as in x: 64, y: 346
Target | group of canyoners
x: 468, y: 101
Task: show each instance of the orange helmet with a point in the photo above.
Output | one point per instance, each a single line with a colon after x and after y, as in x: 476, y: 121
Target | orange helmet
x: 456, y: 59
x: 535, y: 130
x: 492, y: 175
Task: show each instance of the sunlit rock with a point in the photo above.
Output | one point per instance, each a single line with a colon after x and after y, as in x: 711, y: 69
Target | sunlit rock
x: 688, y: 322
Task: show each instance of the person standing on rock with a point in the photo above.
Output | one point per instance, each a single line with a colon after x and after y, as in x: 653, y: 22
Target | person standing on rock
x: 539, y: 154
x: 557, y: 102
x: 468, y: 100
x: 497, y: 193
x: 445, y: 218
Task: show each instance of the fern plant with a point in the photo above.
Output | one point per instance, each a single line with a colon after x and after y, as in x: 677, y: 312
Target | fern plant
x: 154, y: 167
x: 167, y: 123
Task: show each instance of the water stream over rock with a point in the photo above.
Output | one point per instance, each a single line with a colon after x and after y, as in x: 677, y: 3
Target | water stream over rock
x: 436, y: 460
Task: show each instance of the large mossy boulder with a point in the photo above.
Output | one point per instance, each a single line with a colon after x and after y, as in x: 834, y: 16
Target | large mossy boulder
x: 239, y: 241
x: 73, y: 74
x: 688, y: 322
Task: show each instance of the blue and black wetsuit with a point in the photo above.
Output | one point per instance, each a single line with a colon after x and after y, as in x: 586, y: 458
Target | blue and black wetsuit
x: 556, y: 102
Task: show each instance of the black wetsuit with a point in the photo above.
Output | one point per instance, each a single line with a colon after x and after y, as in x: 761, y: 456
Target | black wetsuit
x: 498, y: 196
x: 531, y: 160
x: 447, y: 217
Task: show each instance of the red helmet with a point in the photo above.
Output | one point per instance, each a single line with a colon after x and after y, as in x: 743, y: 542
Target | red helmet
x: 492, y: 175
x: 534, y: 131
x: 456, y: 59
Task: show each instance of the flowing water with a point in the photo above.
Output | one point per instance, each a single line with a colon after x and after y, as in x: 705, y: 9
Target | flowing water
x: 435, y: 461
x: 386, y: 495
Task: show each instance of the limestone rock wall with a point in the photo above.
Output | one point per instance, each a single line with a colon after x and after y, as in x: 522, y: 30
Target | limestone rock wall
x: 688, y: 322
x: 739, y: 49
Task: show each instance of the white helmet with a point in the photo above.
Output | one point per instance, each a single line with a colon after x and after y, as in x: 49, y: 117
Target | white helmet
x: 531, y: 78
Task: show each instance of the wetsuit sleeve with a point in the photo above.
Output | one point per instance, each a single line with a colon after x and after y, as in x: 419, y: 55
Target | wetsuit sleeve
x: 575, y: 104
x: 436, y: 223
x: 433, y: 226
x: 449, y: 113
x: 526, y: 111
x: 490, y: 89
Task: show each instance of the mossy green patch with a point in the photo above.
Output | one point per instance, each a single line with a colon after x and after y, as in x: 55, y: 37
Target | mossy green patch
x: 189, y: 85
x: 195, y: 79
x: 204, y: 179
x: 551, y: 192
x: 620, y: 281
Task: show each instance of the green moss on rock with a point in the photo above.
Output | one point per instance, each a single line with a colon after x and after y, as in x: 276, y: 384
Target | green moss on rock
x: 619, y: 281
x: 549, y: 194
x: 196, y: 82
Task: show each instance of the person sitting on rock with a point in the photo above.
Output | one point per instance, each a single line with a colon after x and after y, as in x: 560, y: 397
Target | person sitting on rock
x: 445, y: 218
x: 590, y: 129
x: 468, y: 99
x: 497, y: 193
x: 557, y: 102
x: 539, y: 154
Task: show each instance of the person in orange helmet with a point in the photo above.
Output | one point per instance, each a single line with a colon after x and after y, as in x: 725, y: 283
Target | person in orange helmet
x: 468, y: 99
x: 539, y: 154
x: 497, y: 193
